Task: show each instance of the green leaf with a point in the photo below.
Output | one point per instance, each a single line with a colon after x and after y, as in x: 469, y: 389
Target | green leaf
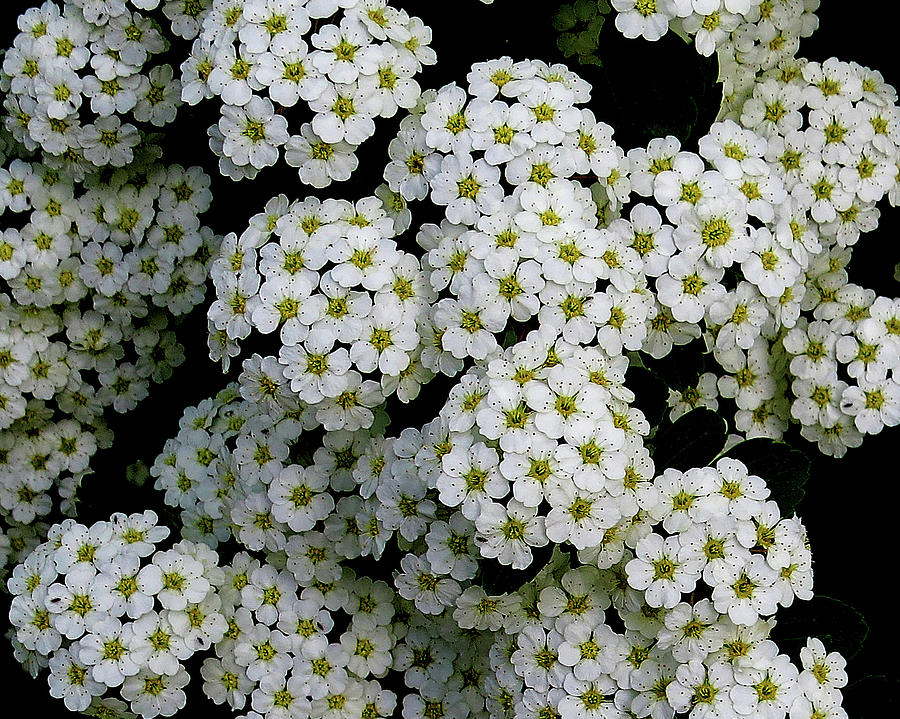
x: 840, y: 626
x: 566, y: 44
x: 585, y: 43
x: 595, y: 26
x: 585, y: 9
x: 565, y: 18
x: 785, y: 469
x: 693, y: 440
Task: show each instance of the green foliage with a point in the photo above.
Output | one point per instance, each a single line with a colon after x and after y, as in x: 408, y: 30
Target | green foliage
x: 579, y: 25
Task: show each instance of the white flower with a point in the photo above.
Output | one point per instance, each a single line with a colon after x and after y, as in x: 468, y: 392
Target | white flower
x: 589, y: 699
x: 224, y: 680
x: 387, y: 77
x: 469, y: 324
x: 657, y: 570
x: 175, y: 579
x: 338, y: 47
x: 71, y: 681
x: 717, y: 226
x: 343, y: 112
x: 153, y: 643
x: 450, y: 547
x: 121, y: 592
x: 702, y: 689
x: 268, y: 593
x: 263, y: 652
x: 746, y: 592
x: 701, y: 394
x: 751, y: 379
x: 107, y: 141
x: 769, y: 266
x: 75, y: 606
x: 447, y: 120
x: 649, y: 20
x: 154, y: 695
x: 253, y: 132
x: 430, y: 592
x: 351, y: 408
x: 272, y: 25
x: 298, y: 497
x: 467, y: 187
x: 107, y: 652
x: 470, y: 477
x: 501, y: 130
x: 318, y: 162
x: 508, y: 533
x: 578, y: 516
x: 872, y: 405
x: 824, y: 673
x: 689, y: 286
x: 769, y: 692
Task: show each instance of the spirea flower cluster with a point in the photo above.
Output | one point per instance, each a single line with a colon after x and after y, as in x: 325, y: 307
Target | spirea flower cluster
x: 78, y: 77
x: 758, y: 31
x: 329, y: 277
x: 91, y: 274
x: 112, y: 614
x: 350, y: 62
x: 663, y: 603
x: 436, y: 489
x: 744, y: 244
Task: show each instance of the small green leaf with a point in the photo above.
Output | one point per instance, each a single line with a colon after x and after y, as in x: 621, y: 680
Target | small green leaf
x: 785, y: 469
x: 585, y: 9
x: 840, y: 626
x: 585, y: 43
x: 693, y: 440
x: 566, y: 44
x: 565, y: 18
x: 596, y: 25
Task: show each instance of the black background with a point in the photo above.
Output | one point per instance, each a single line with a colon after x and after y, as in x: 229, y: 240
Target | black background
x: 644, y: 89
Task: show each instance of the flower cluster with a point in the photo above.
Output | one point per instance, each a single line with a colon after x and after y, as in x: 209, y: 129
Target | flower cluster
x: 757, y: 31
x: 523, y: 549
x: 362, y: 64
x: 328, y: 276
x: 91, y: 273
x: 75, y: 77
x: 670, y: 614
x: 745, y: 243
x: 106, y: 609
x: 663, y: 604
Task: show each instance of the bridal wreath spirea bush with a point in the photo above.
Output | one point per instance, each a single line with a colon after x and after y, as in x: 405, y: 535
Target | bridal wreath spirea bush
x: 456, y: 475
